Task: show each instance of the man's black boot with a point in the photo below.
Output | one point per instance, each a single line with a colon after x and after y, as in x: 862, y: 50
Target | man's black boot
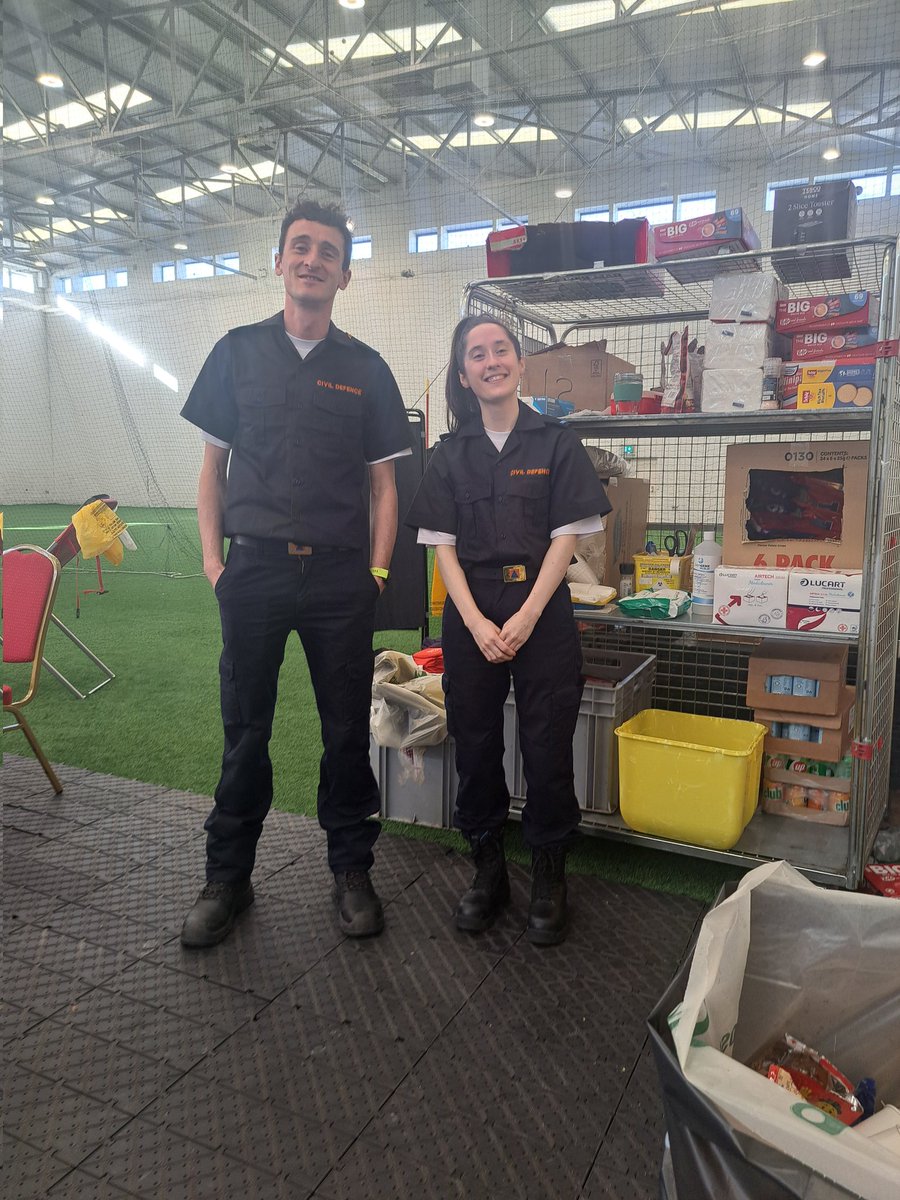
x: 359, y: 910
x: 547, y: 915
x: 214, y: 911
x: 489, y: 891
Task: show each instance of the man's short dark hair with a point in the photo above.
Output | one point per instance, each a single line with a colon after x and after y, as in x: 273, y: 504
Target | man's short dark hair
x: 323, y: 214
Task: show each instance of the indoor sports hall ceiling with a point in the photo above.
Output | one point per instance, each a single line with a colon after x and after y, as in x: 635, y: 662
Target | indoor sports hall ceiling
x: 157, y: 117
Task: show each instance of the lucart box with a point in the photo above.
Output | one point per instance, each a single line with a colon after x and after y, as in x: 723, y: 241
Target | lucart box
x: 795, y: 504
x: 824, y: 601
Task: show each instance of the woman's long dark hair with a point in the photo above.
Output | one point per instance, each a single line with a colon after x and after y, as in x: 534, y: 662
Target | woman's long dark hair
x: 461, y: 401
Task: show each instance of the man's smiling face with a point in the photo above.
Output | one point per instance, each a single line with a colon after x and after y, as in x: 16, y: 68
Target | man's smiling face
x: 312, y: 264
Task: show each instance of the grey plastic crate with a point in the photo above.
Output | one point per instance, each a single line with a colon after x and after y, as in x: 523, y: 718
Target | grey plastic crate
x: 424, y: 800
x: 621, y: 685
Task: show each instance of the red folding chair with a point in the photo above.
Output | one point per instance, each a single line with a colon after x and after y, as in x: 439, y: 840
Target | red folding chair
x: 30, y: 580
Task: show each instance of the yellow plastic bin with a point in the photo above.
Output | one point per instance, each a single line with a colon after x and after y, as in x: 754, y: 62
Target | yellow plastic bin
x: 689, y: 778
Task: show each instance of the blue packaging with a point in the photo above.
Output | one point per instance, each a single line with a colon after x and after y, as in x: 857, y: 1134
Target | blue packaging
x: 805, y: 687
x: 780, y: 685
x: 552, y: 408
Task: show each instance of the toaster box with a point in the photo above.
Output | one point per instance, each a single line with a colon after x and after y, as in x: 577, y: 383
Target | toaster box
x: 814, y: 212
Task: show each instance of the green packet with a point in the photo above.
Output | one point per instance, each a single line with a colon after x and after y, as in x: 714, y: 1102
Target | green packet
x: 659, y: 605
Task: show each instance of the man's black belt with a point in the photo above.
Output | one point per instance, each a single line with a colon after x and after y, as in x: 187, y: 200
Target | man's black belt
x: 516, y: 573
x: 279, y: 548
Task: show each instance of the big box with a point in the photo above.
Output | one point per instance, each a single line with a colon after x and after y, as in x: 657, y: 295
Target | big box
x: 795, y: 504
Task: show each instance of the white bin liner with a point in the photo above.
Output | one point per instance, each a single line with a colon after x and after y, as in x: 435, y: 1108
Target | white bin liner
x: 407, y: 704
x: 783, y: 955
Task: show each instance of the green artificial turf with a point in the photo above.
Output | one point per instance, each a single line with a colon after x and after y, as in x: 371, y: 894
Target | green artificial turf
x: 158, y: 721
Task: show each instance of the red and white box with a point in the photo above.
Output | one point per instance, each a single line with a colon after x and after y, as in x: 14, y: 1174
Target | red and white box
x: 850, y: 343
x: 883, y: 879
x: 851, y: 310
x: 728, y: 231
x: 750, y: 596
x: 824, y: 601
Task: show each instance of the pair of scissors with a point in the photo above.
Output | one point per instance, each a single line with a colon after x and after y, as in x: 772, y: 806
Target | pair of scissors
x: 676, y: 543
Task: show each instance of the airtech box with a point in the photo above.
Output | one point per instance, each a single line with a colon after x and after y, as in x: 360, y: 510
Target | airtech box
x: 795, y: 504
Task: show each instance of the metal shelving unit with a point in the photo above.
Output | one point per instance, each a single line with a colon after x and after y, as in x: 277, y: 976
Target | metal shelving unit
x: 701, y: 667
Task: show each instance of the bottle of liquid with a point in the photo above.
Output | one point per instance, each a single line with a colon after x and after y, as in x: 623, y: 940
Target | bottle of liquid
x: 626, y: 579
x: 707, y: 556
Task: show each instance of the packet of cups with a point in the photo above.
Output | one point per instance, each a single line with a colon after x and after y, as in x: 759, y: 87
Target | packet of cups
x: 595, y: 594
x: 658, y: 605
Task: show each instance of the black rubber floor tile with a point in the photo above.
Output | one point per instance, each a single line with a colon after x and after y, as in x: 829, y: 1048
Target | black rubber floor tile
x: 187, y: 996
x: 633, y: 1143
x: 340, y: 989
x: 100, y: 1069
x: 259, y: 1133
x: 17, y: 842
x: 489, y: 1159
x: 47, y: 824
x: 49, y: 880
x: 70, y: 806
x: 434, y: 910
x: 302, y: 884
x: 141, y: 845
x: 187, y: 859
x: 31, y: 986
x: 27, y: 1172
x: 16, y: 1021
x: 54, y: 1118
x: 606, y: 1184
x: 272, y: 944
x: 152, y: 1161
x: 106, y: 929
x: 369, y: 1172
x: 101, y: 865
x: 346, y: 1083
x: 78, y: 1186
x: 140, y: 898
x: 480, y: 1086
x: 142, y: 1027
x: 71, y: 956
x: 590, y: 1069
x: 24, y: 904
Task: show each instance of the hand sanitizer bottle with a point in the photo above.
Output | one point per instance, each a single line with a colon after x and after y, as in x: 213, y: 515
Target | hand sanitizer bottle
x: 707, y: 556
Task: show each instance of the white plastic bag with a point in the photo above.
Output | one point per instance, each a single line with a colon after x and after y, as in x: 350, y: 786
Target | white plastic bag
x: 407, y: 704
x: 782, y: 955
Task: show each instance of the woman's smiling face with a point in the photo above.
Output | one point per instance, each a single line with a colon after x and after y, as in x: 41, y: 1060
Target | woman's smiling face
x: 491, y: 367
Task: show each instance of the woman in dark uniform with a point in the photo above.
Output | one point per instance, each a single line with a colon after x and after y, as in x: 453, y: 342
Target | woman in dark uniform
x: 505, y: 496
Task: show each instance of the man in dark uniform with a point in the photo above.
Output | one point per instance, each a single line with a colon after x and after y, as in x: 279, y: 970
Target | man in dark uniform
x: 301, y: 425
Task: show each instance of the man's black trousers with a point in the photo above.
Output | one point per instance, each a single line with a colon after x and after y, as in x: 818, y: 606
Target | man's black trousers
x: 329, y: 599
x: 546, y: 674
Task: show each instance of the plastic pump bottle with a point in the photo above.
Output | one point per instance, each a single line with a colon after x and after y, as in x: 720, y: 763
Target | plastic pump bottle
x: 707, y: 556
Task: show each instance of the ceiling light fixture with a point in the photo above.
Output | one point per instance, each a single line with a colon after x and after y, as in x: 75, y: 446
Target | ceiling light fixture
x: 179, y: 245
x: 830, y: 153
x: 483, y: 120
x: 814, y: 58
x: 39, y: 262
x: 229, y: 169
x: 351, y: 4
x: 47, y: 201
x: 49, y: 79
x: 563, y: 193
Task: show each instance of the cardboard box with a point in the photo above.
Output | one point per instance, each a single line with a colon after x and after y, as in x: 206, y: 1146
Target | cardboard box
x: 801, y: 799
x: 625, y: 532
x: 840, y: 383
x: 883, y: 879
x: 582, y: 375
x: 652, y: 571
x: 814, y: 212
x: 745, y: 297
x: 825, y: 343
x: 775, y: 661
x: 824, y: 601
x: 750, y: 596
x: 851, y: 310
x: 806, y: 216
x: 726, y: 232
x: 732, y: 390
x: 738, y: 345
x: 835, y: 731
x: 821, y: 489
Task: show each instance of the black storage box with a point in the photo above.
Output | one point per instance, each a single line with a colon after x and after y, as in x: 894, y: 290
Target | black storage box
x: 806, y: 216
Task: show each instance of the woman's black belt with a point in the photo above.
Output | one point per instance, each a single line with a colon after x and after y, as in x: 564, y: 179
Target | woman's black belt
x: 278, y: 548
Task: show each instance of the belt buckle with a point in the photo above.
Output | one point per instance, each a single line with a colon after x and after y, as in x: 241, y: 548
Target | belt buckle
x: 514, y: 574
x: 293, y: 548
